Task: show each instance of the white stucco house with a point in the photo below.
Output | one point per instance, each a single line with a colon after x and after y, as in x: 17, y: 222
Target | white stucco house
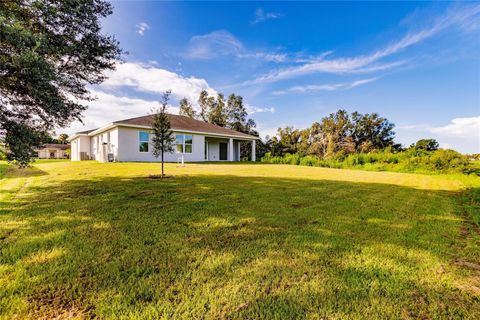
x: 53, y: 151
x: 129, y: 140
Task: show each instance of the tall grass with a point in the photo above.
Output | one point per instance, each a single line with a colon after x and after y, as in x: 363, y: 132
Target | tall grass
x: 412, y: 160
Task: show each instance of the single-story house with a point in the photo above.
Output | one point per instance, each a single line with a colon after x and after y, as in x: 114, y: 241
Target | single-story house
x: 129, y: 140
x: 53, y: 151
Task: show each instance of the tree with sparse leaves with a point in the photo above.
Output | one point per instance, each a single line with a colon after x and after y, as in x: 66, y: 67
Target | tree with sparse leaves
x: 204, y: 101
x: 236, y: 113
x: 186, y: 109
x: 49, y: 52
x: 162, y: 137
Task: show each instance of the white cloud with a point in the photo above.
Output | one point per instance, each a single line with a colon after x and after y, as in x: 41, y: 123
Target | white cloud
x: 461, y: 134
x: 142, y: 27
x: 265, y: 131
x: 223, y: 43
x: 467, y: 128
x: 151, y: 79
x: 108, y: 107
x: 462, y: 17
x: 261, y: 15
x: 324, y: 87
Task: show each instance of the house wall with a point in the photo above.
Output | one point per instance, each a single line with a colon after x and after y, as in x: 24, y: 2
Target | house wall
x: 128, y: 149
x: 123, y: 143
x: 42, y: 154
x: 104, y: 143
x: 80, y: 144
x: 46, y: 154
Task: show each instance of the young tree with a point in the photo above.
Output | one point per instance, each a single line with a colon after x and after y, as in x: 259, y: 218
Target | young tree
x: 186, y: 109
x: 49, y: 52
x: 163, y: 139
x: 63, y: 138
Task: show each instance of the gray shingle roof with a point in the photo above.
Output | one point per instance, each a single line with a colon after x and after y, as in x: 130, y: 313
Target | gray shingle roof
x: 187, y: 124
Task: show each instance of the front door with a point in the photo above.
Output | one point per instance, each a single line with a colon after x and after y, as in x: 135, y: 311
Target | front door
x: 223, y: 151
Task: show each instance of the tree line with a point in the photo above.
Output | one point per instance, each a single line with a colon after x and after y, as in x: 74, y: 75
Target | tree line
x: 355, y: 140
x: 337, y: 134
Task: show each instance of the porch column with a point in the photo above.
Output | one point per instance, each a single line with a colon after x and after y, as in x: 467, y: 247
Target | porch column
x: 253, y: 151
x: 238, y: 154
x: 230, y: 149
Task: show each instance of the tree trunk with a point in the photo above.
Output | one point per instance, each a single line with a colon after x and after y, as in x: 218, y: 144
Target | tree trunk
x: 162, y: 165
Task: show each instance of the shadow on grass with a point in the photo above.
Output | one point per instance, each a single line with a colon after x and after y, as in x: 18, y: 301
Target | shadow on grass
x: 8, y: 171
x: 233, y: 247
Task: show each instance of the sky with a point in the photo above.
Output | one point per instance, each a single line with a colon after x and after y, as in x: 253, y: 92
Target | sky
x: 415, y: 63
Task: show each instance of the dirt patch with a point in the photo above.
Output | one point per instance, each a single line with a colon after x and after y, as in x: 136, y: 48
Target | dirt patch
x: 469, y: 265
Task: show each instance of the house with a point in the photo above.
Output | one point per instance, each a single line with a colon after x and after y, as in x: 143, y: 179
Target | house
x: 53, y: 151
x: 130, y: 140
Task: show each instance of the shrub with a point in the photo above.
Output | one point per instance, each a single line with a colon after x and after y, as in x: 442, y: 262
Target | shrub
x: 411, y: 160
x: 310, y: 161
x: 446, y: 160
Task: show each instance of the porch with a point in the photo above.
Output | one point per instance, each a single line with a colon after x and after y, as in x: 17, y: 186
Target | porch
x: 225, y: 149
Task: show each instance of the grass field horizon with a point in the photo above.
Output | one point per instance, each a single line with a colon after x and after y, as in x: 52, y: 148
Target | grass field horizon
x: 237, y: 240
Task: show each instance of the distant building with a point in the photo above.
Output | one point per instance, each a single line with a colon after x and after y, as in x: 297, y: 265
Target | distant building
x: 53, y: 151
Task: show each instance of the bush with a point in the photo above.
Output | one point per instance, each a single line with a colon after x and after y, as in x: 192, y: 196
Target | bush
x: 310, y: 161
x: 411, y: 160
x: 446, y: 160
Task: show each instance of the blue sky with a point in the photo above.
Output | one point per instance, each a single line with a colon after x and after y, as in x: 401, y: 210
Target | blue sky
x: 416, y: 63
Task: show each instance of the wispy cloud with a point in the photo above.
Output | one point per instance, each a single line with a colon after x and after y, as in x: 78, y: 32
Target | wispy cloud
x: 464, y: 17
x: 325, y: 87
x: 253, y: 109
x: 261, y: 15
x: 223, y: 43
x: 142, y: 27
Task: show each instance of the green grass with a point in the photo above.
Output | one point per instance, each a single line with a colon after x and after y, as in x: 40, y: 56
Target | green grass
x: 235, y: 241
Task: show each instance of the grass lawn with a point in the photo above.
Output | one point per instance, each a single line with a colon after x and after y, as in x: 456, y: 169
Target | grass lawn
x: 235, y: 241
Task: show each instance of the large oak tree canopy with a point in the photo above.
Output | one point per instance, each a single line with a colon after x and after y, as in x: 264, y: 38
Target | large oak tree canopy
x: 50, y: 50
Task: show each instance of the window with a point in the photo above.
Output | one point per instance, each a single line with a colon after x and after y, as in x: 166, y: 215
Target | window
x: 184, y: 143
x: 143, y: 141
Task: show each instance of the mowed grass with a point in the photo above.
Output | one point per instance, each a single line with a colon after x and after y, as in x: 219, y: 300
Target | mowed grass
x: 234, y: 241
